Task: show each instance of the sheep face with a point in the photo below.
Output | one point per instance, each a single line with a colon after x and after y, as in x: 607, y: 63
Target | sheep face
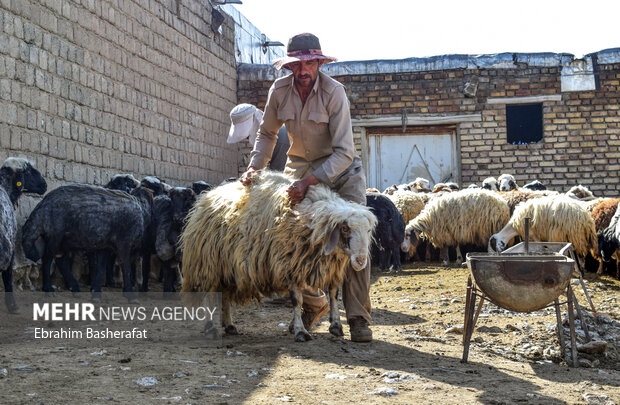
x: 123, y: 182
x: 23, y: 178
x: 411, y: 241
x: 499, y: 241
x: 353, y: 237
x: 606, y: 247
x: 182, y: 200
x: 490, y: 183
x: 507, y: 182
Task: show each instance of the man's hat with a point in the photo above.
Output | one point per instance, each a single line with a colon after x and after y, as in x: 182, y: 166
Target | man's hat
x: 302, y: 47
x: 245, y: 120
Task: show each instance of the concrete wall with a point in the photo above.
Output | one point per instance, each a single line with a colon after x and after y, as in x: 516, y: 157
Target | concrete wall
x: 581, y: 134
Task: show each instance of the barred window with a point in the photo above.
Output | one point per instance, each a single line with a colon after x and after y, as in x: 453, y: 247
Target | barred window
x: 524, y: 123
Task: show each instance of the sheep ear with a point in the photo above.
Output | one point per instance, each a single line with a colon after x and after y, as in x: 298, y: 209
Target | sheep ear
x: 332, y: 242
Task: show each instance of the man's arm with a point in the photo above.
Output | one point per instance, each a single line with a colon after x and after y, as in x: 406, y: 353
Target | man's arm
x: 342, y: 138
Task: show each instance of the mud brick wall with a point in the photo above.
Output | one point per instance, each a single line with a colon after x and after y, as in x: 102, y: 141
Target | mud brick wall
x: 581, y: 136
x: 92, y: 88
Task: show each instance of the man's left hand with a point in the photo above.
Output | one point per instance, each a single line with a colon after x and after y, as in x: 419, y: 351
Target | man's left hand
x: 297, y: 190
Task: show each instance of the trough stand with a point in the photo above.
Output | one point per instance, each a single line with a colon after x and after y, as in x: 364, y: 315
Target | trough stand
x: 472, y: 313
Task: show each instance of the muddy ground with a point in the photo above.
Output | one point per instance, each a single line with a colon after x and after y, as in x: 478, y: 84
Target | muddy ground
x: 414, y: 358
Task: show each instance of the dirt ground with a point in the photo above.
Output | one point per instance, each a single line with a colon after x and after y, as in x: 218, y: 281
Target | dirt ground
x: 414, y: 358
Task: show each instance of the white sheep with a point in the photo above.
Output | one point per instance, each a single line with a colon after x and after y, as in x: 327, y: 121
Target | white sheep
x: 552, y: 219
x: 461, y: 217
x: 248, y: 241
x: 490, y: 183
x: 507, y: 182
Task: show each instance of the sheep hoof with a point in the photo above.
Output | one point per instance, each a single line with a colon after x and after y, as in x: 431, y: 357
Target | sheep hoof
x: 96, y: 296
x: 231, y: 330
x: 50, y: 293
x: 131, y: 297
x: 302, y: 336
x: 445, y: 263
x: 211, y: 332
x: 11, y: 305
x: 336, y: 329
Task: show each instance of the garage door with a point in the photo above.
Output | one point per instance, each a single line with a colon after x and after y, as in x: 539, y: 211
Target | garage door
x: 395, y: 157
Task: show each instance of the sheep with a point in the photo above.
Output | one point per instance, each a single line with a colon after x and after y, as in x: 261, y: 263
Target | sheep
x: 507, y: 182
x: 248, y: 241
x: 420, y: 185
x: 200, y: 186
x: 372, y: 190
x: 390, y: 230
x: 580, y: 192
x: 602, y: 215
x: 156, y: 185
x: 89, y: 218
x: 534, y: 186
x: 391, y: 189
x: 515, y: 197
x: 169, y: 212
x: 461, y: 217
x: 17, y: 176
x: 409, y: 203
x: 490, y: 183
x: 609, y: 242
x: 123, y: 182
x: 553, y: 219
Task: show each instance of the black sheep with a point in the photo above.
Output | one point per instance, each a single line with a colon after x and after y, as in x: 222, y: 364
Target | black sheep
x: 535, y: 185
x: 154, y: 184
x: 200, y: 186
x: 17, y: 176
x: 169, y: 213
x: 390, y: 230
x: 89, y: 218
x: 123, y: 182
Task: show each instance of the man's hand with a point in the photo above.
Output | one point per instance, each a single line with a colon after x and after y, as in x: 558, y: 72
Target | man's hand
x: 297, y: 190
x: 246, y: 177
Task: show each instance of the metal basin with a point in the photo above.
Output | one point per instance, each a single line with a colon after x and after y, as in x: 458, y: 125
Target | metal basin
x: 521, y: 282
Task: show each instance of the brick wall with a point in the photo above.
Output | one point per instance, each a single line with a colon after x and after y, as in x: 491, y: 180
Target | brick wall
x: 581, y: 137
x: 92, y: 88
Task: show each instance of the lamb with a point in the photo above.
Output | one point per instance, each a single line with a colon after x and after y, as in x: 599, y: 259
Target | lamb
x: 535, y: 185
x: 389, y: 232
x: 200, y: 186
x: 420, y: 185
x: 156, y: 185
x: 463, y: 217
x: 553, y: 219
x: 580, y: 192
x: 89, y: 218
x: 17, y: 176
x: 609, y: 242
x: 490, y: 183
x: 248, y: 241
x: 124, y: 182
x: 507, y: 182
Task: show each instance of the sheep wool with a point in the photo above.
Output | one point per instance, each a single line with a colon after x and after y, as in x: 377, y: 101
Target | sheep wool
x: 557, y: 219
x: 247, y: 241
x: 467, y: 216
x: 409, y: 203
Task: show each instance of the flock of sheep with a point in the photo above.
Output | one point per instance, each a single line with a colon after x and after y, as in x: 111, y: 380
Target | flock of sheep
x: 249, y: 242
x: 491, y: 217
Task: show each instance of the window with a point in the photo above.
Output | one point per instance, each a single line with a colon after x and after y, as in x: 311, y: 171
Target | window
x: 524, y: 123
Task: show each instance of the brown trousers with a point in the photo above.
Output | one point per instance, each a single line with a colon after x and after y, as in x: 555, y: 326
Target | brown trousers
x: 351, y: 186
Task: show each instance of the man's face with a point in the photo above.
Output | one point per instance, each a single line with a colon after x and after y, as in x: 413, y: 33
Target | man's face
x: 305, y: 72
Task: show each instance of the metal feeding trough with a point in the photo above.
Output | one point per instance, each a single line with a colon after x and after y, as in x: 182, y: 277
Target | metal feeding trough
x: 527, y: 277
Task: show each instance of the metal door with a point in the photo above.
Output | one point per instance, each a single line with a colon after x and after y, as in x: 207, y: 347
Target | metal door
x: 395, y: 157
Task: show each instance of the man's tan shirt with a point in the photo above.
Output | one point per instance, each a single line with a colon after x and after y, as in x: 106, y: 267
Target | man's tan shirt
x: 320, y: 131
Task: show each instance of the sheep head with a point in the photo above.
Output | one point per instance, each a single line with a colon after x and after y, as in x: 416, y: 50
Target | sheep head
x: 341, y: 226
x: 19, y: 176
x: 182, y: 199
x: 507, y: 182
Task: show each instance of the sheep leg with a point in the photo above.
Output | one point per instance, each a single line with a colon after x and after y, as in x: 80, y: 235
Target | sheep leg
x: 301, y: 334
x: 459, y: 255
x: 335, y: 327
x: 169, y: 278
x: 227, y: 322
x: 444, y: 253
x: 395, y: 259
x: 428, y: 256
x: 96, y: 266
x: 47, y: 276
x: 64, y: 264
x: 127, y: 279
x: 9, y: 298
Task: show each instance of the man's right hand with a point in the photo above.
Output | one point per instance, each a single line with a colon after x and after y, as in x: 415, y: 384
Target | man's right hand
x: 246, y: 177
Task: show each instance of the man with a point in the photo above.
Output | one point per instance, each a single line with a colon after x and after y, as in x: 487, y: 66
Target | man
x: 315, y: 109
x: 245, y: 119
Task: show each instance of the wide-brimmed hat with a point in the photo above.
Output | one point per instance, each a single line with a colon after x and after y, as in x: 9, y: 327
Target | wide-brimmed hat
x: 302, y: 47
x: 245, y: 120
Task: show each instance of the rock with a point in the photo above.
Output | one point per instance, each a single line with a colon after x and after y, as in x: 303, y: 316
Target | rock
x: 597, y: 399
x: 455, y: 329
x: 179, y: 374
x: 593, y: 347
x: 585, y: 363
x: 253, y: 373
x: 24, y: 368
x: 212, y: 386
x: 512, y: 328
x: 189, y: 361
x: 384, y: 391
x: 335, y: 376
x: 99, y: 353
x: 146, y: 381
x: 4, y: 372
x: 489, y: 329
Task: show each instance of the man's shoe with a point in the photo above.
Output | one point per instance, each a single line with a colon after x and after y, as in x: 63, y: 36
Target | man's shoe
x: 310, y: 318
x: 360, y: 332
